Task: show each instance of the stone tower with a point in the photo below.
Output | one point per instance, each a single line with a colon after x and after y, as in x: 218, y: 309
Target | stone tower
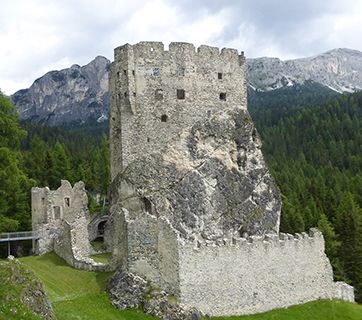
x: 185, y: 157
x: 155, y: 94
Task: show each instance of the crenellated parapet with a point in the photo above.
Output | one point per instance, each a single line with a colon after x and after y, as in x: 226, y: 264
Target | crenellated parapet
x: 268, y: 240
x: 264, y: 273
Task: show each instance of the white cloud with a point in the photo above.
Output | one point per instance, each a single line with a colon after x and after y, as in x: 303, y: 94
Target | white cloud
x: 37, y: 36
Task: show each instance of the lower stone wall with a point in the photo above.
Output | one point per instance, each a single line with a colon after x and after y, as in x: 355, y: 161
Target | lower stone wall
x: 256, y: 274
x: 153, y: 251
x: 73, y: 246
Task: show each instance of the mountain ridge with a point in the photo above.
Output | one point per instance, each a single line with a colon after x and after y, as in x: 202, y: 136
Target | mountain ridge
x: 80, y: 93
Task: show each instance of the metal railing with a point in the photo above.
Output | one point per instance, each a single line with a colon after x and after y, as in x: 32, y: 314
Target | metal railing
x: 21, y: 235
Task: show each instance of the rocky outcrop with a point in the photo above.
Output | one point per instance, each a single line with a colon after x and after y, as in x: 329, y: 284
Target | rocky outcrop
x: 211, y: 180
x: 21, y: 294
x: 81, y: 93
x: 127, y: 290
x: 338, y: 69
x: 70, y: 95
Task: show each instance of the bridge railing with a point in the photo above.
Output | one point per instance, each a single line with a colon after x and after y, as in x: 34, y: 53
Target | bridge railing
x: 12, y: 236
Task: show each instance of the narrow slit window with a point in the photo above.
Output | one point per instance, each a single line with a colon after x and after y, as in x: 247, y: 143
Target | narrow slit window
x: 134, y: 94
x: 67, y: 201
x: 133, y: 72
x: 164, y: 118
x: 180, y: 94
x: 125, y: 94
x: 148, y: 205
x: 219, y: 75
x: 125, y: 72
x: 223, y: 96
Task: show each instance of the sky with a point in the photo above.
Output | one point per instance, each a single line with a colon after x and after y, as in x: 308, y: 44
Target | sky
x: 38, y: 36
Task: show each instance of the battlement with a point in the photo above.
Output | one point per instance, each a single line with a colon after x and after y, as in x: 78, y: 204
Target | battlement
x: 268, y: 240
x: 155, y: 50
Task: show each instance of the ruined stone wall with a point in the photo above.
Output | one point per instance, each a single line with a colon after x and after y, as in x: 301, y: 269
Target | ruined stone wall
x: 62, y: 218
x: 256, y: 274
x: 152, y: 254
x: 144, y: 79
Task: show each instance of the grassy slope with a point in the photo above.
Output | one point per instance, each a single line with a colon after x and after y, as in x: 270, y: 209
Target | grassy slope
x: 78, y: 294
x: 13, y: 279
x: 316, y: 310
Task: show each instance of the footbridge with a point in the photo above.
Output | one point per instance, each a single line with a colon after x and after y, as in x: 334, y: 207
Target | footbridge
x: 18, y: 236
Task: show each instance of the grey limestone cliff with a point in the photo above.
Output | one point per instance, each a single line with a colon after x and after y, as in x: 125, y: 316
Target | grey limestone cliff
x: 338, y: 69
x: 73, y: 94
x: 81, y: 93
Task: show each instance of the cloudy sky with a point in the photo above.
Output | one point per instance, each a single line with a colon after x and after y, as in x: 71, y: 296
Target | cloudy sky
x: 37, y: 36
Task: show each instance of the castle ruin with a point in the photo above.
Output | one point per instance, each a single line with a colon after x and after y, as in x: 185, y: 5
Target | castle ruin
x: 195, y: 210
x: 62, y: 220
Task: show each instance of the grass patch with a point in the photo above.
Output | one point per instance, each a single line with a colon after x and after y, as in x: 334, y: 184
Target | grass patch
x: 14, y: 278
x: 102, y: 257
x: 77, y: 294
x: 316, y: 310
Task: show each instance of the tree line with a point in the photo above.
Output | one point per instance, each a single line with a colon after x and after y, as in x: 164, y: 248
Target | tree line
x: 315, y: 155
x: 32, y: 155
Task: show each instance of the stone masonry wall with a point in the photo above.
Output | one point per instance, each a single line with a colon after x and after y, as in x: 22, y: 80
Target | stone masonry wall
x: 245, y: 276
x: 144, y: 79
x: 61, y: 217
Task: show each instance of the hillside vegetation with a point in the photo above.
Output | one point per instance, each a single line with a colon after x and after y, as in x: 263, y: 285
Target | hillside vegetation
x: 315, y: 155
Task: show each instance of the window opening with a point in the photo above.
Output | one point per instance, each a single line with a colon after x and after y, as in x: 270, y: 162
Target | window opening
x: 125, y: 72
x: 164, y: 118
x: 133, y: 72
x: 219, y: 75
x: 125, y: 94
x: 159, y: 94
x: 134, y: 94
x: 223, y: 96
x: 180, y: 94
x: 67, y: 201
x: 148, y: 205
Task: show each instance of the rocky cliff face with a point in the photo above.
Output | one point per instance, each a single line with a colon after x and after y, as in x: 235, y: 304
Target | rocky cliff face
x: 81, y: 93
x: 338, y: 69
x: 73, y: 94
x: 210, y: 182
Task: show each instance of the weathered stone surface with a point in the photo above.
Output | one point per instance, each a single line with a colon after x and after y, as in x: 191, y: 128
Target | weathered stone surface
x: 61, y: 218
x: 209, y: 181
x: 70, y: 95
x: 165, y: 307
x: 126, y: 290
